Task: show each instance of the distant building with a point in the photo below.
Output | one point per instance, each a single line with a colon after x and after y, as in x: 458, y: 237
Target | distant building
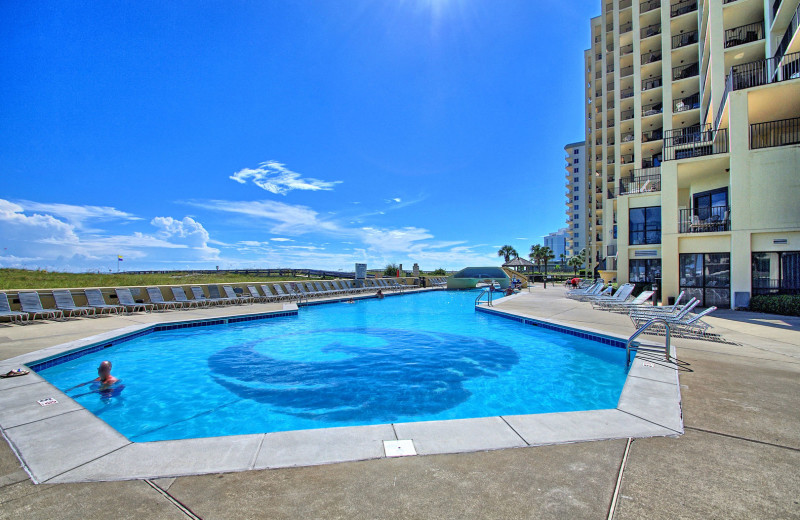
x: 557, y: 242
x: 576, y: 199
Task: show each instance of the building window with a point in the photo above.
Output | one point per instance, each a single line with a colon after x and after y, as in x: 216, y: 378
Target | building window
x: 574, y: 161
x: 576, y: 188
x: 707, y: 277
x: 576, y: 197
x: 645, y: 225
x: 576, y: 208
x: 644, y: 270
x: 776, y: 272
x: 576, y: 225
x: 710, y: 203
x: 576, y: 169
x: 576, y: 235
x: 575, y: 151
x: 576, y: 180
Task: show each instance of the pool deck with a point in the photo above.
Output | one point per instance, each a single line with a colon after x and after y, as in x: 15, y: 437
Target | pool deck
x: 738, y: 457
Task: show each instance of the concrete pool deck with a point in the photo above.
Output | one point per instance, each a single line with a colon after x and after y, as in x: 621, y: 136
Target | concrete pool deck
x: 738, y: 458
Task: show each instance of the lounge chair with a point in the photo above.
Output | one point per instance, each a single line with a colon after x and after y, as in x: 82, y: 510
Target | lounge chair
x: 253, y: 290
x: 157, y: 299
x: 309, y: 288
x: 666, y: 310
x: 200, y: 297
x: 215, y: 295
x: 126, y: 300
x: 640, y: 319
x: 687, y: 325
x: 334, y: 288
x: 350, y: 285
x: 180, y: 296
x: 30, y: 303
x: 280, y: 293
x: 230, y: 293
x: 606, y: 292
x: 66, y: 304
x: 94, y: 298
x: 6, y: 312
x: 296, y: 289
x: 325, y: 292
x: 595, y: 288
x: 340, y: 286
x: 620, y: 296
x: 626, y: 305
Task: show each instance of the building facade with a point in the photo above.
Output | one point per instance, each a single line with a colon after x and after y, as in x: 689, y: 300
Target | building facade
x: 693, y: 146
x: 557, y: 242
x: 576, y: 177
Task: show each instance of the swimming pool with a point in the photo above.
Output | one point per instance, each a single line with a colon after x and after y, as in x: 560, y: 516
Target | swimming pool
x: 408, y: 358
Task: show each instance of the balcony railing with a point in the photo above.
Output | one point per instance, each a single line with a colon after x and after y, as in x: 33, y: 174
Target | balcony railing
x: 625, y: 115
x: 626, y: 71
x: 687, y: 103
x: 645, y: 180
x: 626, y: 49
x: 685, y: 71
x: 654, y: 161
x: 652, y: 109
x: 652, y: 135
x: 762, y: 72
x: 775, y: 133
x: 610, y: 123
x: 610, y: 193
x: 787, y: 36
x: 626, y: 27
x: 627, y: 138
x: 687, y: 6
x: 626, y: 159
x: 650, y: 30
x: 651, y: 57
x: 610, y: 68
x: 694, y: 141
x: 624, y: 4
x: 745, y: 34
x: 776, y: 4
x: 625, y: 94
x: 649, y: 6
x: 651, y: 83
x: 609, y: 27
x: 684, y: 39
x: 704, y: 219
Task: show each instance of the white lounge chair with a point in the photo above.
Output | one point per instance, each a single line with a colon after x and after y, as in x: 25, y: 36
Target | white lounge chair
x: 620, y: 296
x: 157, y: 299
x: 626, y: 305
x: 94, y: 298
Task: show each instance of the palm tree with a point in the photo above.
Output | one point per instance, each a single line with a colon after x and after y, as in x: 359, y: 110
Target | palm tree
x: 575, y: 263
x: 507, y: 252
x: 562, y: 258
x: 545, y: 254
x: 535, y: 254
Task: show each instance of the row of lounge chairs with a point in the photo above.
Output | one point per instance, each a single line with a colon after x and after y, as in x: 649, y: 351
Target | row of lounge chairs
x: 31, y: 304
x: 681, y: 321
x: 437, y: 281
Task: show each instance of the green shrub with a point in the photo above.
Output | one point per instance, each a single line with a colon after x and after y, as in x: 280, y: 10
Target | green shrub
x: 786, y: 304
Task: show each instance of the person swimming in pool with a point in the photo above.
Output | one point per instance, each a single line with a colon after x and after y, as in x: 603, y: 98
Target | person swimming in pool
x: 379, y: 294
x: 104, y: 381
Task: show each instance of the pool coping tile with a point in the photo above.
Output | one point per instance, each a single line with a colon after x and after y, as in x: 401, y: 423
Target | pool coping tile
x: 66, y: 443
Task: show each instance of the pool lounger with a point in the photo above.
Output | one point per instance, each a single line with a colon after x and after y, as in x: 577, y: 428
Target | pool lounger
x: 30, y: 303
x: 126, y: 300
x: 6, y: 312
x: 157, y: 299
x: 180, y: 296
x: 65, y: 303
x: 230, y: 293
x: 94, y: 298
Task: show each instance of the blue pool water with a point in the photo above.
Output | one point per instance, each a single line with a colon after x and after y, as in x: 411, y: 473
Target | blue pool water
x: 415, y: 357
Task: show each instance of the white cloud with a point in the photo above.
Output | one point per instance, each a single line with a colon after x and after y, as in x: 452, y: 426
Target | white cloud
x: 276, y: 178
x: 397, y: 199
x: 286, y: 219
x: 77, y: 215
x: 280, y: 239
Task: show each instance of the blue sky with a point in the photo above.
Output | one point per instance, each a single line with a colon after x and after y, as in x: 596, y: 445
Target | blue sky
x: 305, y: 133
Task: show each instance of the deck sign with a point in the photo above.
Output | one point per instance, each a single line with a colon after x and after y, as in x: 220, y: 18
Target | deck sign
x: 361, y: 271
x: 47, y: 401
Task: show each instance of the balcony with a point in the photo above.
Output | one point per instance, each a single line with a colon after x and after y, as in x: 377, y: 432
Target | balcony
x: 682, y: 40
x: 687, y: 103
x: 610, y: 68
x: 650, y: 30
x: 626, y: 71
x: 685, y: 71
x: 652, y: 109
x: 654, y: 161
x: 651, y: 83
x: 704, y: 220
x: 625, y: 94
x: 624, y: 4
x: 651, y: 57
x: 694, y: 141
x: 610, y: 123
x: 626, y: 114
x: 687, y: 6
x: 626, y: 159
x: 649, y: 6
x: 627, y: 138
x: 744, y: 34
x: 775, y: 133
x: 780, y: 50
x: 626, y: 27
x: 626, y: 49
x: 610, y: 193
x: 652, y: 135
x: 645, y: 180
x: 763, y: 72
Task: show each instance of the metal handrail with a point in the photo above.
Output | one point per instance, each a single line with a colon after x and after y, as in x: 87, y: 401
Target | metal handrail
x: 642, y: 329
x: 488, y: 299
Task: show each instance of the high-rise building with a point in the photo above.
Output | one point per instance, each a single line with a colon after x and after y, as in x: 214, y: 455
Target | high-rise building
x: 557, y: 242
x: 693, y: 146
x: 576, y: 190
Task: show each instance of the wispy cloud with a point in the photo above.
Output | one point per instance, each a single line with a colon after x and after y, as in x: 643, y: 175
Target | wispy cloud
x: 276, y: 178
x: 77, y: 215
x: 281, y: 239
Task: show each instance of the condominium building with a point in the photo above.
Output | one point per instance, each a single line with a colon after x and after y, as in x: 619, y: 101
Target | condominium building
x: 693, y: 146
x: 576, y: 190
x: 557, y: 242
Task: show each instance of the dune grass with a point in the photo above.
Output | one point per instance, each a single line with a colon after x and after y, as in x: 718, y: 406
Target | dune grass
x: 28, y: 279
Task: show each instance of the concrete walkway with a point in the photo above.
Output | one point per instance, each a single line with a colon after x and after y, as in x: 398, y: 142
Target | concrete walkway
x: 739, y: 457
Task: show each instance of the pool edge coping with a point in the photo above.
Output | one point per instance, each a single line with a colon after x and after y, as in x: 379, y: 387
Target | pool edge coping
x: 649, y: 405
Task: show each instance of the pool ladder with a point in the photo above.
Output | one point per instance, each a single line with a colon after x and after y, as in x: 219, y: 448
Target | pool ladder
x: 488, y: 298
x: 639, y: 347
